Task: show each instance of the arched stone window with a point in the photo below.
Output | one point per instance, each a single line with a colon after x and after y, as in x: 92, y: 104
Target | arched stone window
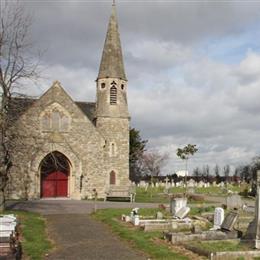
x: 113, y: 95
x: 46, y: 122
x: 112, y: 178
x: 64, y: 122
x: 55, y: 120
x: 112, y: 150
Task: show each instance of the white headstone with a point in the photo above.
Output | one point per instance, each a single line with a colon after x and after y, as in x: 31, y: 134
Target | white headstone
x: 136, y: 220
x: 142, y: 184
x: 222, y: 184
x: 218, y: 217
x: 183, y: 212
x: 7, y: 225
x: 127, y: 219
x: 159, y: 215
x: 191, y: 183
x: 177, y: 204
x: 167, y: 183
x: 200, y: 184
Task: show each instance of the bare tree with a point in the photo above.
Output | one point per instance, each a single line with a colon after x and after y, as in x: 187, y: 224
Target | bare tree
x: 16, y: 66
x: 206, y: 172
x: 226, y: 171
x: 153, y: 162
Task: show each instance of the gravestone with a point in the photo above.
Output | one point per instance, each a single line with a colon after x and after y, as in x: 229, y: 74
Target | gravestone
x: 190, y: 190
x: 229, y: 221
x: 234, y: 202
x: 191, y: 183
x: 253, y: 230
x: 142, y: 183
x: 159, y: 215
x: 183, y: 212
x: 128, y: 219
x: 218, y: 218
x: 166, y: 182
x: 177, y: 204
x: 201, y: 184
x: 7, y: 225
x: 136, y: 220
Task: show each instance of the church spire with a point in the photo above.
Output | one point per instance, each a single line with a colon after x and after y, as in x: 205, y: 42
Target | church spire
x: 112, y: 65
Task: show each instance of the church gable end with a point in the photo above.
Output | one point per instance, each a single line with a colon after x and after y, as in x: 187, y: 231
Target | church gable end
x: 89, y: 141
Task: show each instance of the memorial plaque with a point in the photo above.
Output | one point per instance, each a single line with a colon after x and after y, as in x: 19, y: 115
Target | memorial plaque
x: 229, y: 221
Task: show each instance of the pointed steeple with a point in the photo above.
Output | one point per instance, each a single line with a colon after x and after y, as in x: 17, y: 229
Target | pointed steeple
x: 112, y: 65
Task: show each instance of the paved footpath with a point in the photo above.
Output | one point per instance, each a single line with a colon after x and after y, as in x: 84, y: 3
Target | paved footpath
x: 76, y: 235
x: 80, y: 237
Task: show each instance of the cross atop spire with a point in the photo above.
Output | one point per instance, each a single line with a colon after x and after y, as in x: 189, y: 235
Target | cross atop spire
x: 112, y: 65
x: 114, y: 2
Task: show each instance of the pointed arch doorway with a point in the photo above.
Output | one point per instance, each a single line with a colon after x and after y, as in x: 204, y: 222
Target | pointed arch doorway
x: 54, y: 169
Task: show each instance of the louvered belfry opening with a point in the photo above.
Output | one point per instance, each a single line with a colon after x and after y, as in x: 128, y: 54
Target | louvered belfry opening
x: 113, y: 94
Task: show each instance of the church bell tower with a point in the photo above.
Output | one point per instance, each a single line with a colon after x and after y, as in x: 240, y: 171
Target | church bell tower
x: 112, y: 116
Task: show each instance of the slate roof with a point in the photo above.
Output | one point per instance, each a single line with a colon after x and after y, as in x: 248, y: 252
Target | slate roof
x: 112, y: 65
x: 20, y: 105
x: 88, y: 108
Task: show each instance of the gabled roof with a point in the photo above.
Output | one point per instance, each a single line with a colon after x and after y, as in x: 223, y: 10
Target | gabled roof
x: 88, y: 108
x: 20, y: 105
x: 112, y: 65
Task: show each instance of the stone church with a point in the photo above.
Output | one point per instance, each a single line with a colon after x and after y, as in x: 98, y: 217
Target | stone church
x: 70, y: 148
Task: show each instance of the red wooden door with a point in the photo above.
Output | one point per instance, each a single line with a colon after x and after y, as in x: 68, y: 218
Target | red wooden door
x: 55, y: 184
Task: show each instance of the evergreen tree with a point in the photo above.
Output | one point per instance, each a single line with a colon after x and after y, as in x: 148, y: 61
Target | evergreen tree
x: 136, y: 150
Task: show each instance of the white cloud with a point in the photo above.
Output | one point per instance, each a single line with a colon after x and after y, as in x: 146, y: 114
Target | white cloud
x: 211, y: 109
x: 177, y: 93
x: 78, y: 82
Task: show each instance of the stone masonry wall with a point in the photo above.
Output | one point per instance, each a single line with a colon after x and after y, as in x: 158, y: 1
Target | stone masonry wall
x: 82, y: 144
x: 116, y: 131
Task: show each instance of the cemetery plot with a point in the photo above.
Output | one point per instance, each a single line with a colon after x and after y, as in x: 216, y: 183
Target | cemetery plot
x: 185, y: 226
x: 215, y: 232
x: 32, y: 234
x: 10, y: 246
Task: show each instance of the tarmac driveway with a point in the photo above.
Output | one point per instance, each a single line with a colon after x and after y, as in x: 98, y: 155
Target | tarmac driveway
x: 66, y: 206
x: 76, y: 235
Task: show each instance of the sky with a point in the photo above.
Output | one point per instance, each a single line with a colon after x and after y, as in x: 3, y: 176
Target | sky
x: 193, y: 69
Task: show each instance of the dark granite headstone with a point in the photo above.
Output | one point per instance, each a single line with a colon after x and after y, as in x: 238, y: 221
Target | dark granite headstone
x: 229, y: 221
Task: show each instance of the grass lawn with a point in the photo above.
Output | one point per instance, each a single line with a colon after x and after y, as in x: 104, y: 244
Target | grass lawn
x: 157, y: 195
x: 219, y: 246
x: 144, y: 241
x: 35, y: 242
